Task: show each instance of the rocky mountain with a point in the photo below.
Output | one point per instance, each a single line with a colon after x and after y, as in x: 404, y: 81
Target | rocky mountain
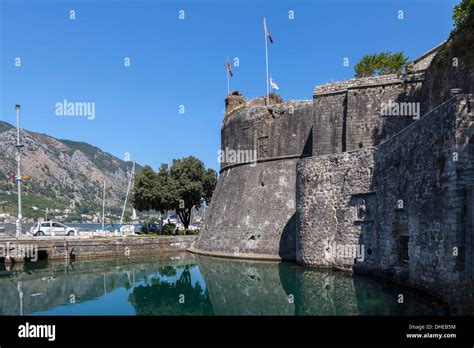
x: 64, y: 175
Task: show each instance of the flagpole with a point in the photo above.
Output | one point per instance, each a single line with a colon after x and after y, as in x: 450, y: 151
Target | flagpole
x: 266, y: 56
x: 18, y: 159
x: 228, y: 79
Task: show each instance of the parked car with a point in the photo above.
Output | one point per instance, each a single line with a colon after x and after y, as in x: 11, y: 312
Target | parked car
x: 127, y: 229
x: 150, y: 227
x: 50, y: 228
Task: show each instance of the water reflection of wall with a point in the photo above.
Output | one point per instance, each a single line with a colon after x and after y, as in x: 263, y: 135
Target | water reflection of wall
x: 238, y: 287
x: 244, y: 287
x: 209, y: 285
x: 325, y: 292
x: 319, y: 292
x: 40, y: 286
x: 376, y: 297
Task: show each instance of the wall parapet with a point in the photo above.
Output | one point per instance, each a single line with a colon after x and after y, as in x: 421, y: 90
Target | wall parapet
x: 367, y: 82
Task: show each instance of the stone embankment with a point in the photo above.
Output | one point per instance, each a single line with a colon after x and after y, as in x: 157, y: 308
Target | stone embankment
x: 29, y: 249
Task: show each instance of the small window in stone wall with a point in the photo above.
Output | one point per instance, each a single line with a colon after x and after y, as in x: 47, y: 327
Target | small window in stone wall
x: 362, y: 205
x: 403, y: 248
x: 398, y: 167
x: 363, y: 210
x: 263, y: 147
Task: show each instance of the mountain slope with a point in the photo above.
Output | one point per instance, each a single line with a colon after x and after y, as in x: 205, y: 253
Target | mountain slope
x: 63, y: 174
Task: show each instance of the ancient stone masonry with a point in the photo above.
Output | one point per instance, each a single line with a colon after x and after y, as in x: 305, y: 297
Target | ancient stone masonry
x: 334, y: 200
x: 403, y: 205
x: 252, y: 212
x: 348, y: 114
x: 339, y: 182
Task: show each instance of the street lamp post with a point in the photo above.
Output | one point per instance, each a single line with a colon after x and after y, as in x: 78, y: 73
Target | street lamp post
x: 18, y: 174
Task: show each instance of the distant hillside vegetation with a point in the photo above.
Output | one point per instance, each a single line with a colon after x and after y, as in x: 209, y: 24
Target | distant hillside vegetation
x: 61, y: 172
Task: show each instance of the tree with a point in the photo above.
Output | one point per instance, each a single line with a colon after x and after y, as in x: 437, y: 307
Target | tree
x: 461, y: 13
x: 380, y: 64
x: 185, y: 185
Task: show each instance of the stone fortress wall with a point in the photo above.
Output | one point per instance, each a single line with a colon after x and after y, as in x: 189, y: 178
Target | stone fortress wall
x: 333, y: 171
x: 253, y: 209
x: 407, y: 202
x: 347, y: 115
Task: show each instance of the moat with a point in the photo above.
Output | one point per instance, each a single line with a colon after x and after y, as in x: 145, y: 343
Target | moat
x: 187, y: 284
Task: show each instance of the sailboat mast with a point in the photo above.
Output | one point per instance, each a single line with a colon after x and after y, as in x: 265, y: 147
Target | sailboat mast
x: 103, y: 209
x: 128, y: 192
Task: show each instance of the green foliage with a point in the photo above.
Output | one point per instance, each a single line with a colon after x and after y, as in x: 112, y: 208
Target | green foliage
x: 145, y: 184
x: 461, y: 13
x: 54, y: 194
x: 159, y: 296
x: 73, y: 217
x: 381, y: 64
x: 168, y: 229
x: 127, y: 219
x: 462, y: 36
x: 30, y: 200
x: 4, y: 127
x: 167, y: 271
x: 101, y: 159
x: 185, y: 185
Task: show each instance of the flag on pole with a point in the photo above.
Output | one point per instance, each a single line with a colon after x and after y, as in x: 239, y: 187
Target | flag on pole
x: 266, y: 30
x: 273, y: 84
x: 228, y: 68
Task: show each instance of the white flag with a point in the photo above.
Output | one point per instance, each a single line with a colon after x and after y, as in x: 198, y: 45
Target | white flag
x: 273, y: 84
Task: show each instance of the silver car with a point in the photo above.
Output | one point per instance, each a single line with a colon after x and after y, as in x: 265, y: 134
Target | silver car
x: 51, y: 228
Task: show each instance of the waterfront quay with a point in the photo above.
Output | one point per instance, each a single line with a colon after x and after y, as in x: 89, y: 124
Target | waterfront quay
x: 28, y: 248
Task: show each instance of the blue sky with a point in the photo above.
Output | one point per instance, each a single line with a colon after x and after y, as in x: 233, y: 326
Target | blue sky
x: 182, y: 62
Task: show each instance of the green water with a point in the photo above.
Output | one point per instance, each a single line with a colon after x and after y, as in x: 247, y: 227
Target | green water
x: 186, y: 284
